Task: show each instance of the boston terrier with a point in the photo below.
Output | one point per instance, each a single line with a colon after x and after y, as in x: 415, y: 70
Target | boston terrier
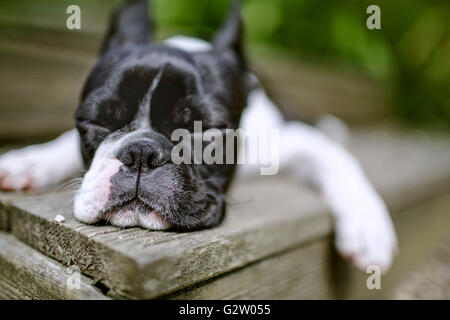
x: 139, y: 92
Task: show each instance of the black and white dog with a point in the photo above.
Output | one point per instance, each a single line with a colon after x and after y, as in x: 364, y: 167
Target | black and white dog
x: 139, y: 93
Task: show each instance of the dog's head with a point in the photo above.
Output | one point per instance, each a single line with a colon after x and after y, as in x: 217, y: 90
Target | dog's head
x: 136, y: 95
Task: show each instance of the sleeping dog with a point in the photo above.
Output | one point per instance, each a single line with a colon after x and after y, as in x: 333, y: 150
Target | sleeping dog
x: 139, y: 92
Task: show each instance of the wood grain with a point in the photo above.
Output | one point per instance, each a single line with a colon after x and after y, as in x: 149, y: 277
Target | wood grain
x: 4, y: 217
x: 302, y: 273
x: 137, y: 263
x: 51, y: 64
x: 264, y: 218
x: 28, y: 274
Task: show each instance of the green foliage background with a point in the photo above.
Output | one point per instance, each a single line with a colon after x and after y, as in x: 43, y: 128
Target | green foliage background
x: 410, y: 54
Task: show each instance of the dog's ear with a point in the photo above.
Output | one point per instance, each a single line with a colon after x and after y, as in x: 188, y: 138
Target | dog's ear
x: 130, y: 24
x: 230, y: 35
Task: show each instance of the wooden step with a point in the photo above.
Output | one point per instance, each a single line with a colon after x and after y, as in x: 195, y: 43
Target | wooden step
x: 51, y: 63
x: 430, y: 279
x: 28, y: 274
x: 272, y: 226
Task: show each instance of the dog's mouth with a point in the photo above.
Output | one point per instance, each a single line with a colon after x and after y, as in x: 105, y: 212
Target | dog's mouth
x: 133, y: 213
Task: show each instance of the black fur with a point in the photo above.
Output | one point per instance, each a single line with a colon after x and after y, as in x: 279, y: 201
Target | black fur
x: 207, y: 86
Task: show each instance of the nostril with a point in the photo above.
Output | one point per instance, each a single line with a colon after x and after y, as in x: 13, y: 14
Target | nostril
x: 156, y: 158
x: 127, y: 157
x: 142, y: 153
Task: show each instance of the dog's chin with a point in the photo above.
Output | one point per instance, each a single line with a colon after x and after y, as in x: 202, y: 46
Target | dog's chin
x: 136, y: 215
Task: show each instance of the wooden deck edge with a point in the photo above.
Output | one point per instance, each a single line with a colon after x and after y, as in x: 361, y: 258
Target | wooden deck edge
x: 315, y: 270
x: 129, y: 277
x: 135, y: 263
x: 5, y: 204
x: 253, y: 248
x: 74, y: 249
x: 430, y: 280
x: 304, y: 272
x: 28, y: 274
x: 4, y: 217
x: 309, y: 271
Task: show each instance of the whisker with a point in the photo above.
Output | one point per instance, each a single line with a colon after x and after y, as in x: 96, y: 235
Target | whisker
x: 69, y: 184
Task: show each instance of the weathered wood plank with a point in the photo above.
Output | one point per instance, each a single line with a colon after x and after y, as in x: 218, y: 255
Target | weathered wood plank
x: 45, y: 102
x: 28, y: 274
x: 430, y: 280
x: 307, y: 91
x: 5, y: 199
x: 429, y: 258
x: 135, y: 262
x: 56, y: 62
x: 406, y: 168
x: 265, y: 219
x: 301, y: 273
x: 419, y: 229
x: 315, y: 271
x: 4, y: 217
x: 5, y: 204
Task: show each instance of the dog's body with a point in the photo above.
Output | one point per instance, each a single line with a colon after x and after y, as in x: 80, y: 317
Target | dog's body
x: 139, y: 93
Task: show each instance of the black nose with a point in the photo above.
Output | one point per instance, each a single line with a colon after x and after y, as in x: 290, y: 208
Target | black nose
x: 142, y: 154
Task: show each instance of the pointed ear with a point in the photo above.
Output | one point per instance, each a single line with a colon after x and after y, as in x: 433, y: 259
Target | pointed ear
x: 129, y: 24
x: 230, y: 35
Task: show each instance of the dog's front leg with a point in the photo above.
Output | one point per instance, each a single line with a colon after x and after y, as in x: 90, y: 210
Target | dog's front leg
x: 41, y: 165
x: 364, y: 230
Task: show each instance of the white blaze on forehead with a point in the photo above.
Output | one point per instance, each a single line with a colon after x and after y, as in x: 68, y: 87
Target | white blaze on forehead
x: 142, y: 118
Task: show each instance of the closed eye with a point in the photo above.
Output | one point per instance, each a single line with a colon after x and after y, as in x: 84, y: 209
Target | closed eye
x: 90, y: 129
x: 98, y: 126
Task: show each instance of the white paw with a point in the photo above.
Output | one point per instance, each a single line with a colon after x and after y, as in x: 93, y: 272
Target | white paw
x: 41, y: 165
x: 25, y: 169
x: 364, y: 230
x: 367, y: 237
